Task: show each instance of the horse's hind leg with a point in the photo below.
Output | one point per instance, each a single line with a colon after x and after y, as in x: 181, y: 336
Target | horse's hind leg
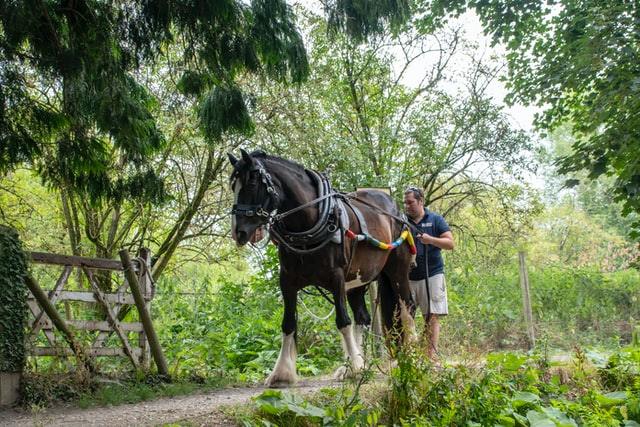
x: 285, y: 369
x: 360, y: 313
x: 397, y: 307
x: 351, y: 348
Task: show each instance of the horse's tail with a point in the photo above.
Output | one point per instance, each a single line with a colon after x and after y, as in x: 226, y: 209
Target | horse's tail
x: 389, y: 301
x: 397, y: 314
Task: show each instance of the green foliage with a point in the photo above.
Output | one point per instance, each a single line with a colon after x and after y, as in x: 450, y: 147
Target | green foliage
x: 570, y: 305
x: 13, y: 301
x: 73, y: 102
x: 359, y: 18
x: 284, y: 408
x: 576, y: 58
x: 70, y: 105
x: 235, y: 327
x: 512, y: 390
x: 420, y: 395
x: 224, y: 109
x: 622, y: 368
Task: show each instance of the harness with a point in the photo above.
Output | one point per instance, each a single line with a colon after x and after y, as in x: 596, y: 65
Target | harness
x: 322, y: 232
x: 328, y: 228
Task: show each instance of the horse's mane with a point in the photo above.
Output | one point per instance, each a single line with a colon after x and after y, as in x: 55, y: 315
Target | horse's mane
x: 292, y: 166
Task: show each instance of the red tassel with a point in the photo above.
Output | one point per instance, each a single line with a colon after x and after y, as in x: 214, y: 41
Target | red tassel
x: 350, y: 234
x: 412, y: 249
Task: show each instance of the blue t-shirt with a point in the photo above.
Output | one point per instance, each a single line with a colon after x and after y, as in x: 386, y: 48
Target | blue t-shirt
x: 434, y: 225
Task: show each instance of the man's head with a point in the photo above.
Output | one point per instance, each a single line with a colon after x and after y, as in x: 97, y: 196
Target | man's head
x: 414, y: 203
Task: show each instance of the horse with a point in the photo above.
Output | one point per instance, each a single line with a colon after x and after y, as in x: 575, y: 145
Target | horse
x: 309, y: 222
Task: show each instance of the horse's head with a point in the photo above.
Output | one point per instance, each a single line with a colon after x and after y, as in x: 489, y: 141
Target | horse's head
x: 255, y: 196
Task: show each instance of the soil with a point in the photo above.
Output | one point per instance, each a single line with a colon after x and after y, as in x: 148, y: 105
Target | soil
x: 206, y: 409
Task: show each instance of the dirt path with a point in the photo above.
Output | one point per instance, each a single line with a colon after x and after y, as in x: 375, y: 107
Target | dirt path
x: 200, y: 409
x: 203, y: 409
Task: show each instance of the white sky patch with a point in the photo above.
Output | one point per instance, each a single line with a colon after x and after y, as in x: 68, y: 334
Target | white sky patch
x: 458, y: 69
x: 521, y: 116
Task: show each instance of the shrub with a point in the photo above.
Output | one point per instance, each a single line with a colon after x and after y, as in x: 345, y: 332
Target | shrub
x: 13, y: 301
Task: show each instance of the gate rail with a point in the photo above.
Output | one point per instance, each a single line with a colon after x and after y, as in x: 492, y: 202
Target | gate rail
x: 136, y: 282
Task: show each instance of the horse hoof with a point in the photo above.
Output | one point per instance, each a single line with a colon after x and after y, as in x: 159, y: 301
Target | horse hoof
x: 341, y: 373
x: 277, y: 381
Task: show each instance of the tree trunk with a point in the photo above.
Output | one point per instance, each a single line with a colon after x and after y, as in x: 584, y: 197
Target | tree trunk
x: 173, y: 239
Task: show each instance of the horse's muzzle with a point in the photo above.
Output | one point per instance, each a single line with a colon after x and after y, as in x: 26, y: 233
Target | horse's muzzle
x: 242, y: 237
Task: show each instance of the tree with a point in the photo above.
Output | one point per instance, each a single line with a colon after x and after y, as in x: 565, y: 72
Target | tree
x: 358, y: 118
x: 80, y: 103
x: 578, y: 59
x: 71, y: 105
x: 594, y: 197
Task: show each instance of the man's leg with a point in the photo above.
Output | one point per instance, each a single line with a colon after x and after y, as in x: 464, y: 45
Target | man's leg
x: 439, y: 307
x: 434, y: 336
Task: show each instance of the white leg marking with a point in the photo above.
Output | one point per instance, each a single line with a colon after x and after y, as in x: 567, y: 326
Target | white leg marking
x: 352, y: 353
x: 285, y: 369
x: 358, y: 332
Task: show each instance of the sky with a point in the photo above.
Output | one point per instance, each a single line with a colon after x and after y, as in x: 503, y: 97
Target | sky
x: 521, y: 116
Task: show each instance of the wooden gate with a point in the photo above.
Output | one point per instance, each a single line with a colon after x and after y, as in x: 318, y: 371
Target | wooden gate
x: 44, y: 316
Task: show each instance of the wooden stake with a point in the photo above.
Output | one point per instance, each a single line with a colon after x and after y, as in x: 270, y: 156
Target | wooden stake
x: 526, y: 300
x: 145, y: 317
x: 57, y: 320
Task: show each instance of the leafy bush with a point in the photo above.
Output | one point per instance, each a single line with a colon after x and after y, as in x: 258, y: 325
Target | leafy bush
x: 234, y: 327
x: 511, y: 390
x: 13, y: 301
x: 581, y: 305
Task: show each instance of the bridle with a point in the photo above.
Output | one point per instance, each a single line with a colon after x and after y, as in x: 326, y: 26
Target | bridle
x: 267, y: 208
x: 307, y: 241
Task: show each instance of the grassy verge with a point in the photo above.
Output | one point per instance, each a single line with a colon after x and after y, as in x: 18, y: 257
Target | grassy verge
x: 509, y: 390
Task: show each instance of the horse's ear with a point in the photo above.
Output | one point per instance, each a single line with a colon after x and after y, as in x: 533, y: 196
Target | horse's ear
x: 232, y: 159
x: 248, y: 160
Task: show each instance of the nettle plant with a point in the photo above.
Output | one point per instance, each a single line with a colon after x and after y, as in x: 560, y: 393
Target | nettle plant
x: 13, y: 301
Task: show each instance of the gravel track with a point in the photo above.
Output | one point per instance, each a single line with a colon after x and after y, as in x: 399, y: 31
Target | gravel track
x: 199, y: 409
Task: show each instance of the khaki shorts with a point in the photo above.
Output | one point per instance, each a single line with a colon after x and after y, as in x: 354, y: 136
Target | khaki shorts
x: 437, y: 292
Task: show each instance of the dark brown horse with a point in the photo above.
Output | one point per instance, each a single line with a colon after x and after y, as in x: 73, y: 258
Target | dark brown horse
x: 308, y: 221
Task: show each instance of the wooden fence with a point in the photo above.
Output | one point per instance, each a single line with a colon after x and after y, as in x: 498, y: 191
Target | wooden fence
x: 136, y: 282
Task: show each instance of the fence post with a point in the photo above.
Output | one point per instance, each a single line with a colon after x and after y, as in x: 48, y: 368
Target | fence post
x: 145, y: 317
x: 376, y: 327
x: 526, y: 300
x: 144, y: 275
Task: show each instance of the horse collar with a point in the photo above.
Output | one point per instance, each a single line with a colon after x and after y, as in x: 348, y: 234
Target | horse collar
x: 321, y: 233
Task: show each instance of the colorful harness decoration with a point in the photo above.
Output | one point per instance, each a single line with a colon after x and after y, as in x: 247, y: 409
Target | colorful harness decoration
x: 405, y: 235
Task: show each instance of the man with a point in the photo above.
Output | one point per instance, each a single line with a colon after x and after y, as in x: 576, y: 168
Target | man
x: 432, y: 234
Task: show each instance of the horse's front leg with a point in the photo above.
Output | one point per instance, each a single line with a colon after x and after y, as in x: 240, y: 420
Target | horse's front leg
x: 284, y: 372
x: 353, y: 352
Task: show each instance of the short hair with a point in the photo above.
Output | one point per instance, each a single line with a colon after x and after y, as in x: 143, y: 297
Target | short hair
x: 417, y: 193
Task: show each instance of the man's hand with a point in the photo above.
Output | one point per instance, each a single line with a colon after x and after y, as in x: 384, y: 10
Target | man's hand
x: 445, y: 241
x: 425, y: 238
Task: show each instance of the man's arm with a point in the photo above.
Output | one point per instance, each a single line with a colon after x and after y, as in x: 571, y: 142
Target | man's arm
x: 445, y: 241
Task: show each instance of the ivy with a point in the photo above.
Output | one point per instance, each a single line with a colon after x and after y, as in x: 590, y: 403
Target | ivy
x: 13, y: 301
